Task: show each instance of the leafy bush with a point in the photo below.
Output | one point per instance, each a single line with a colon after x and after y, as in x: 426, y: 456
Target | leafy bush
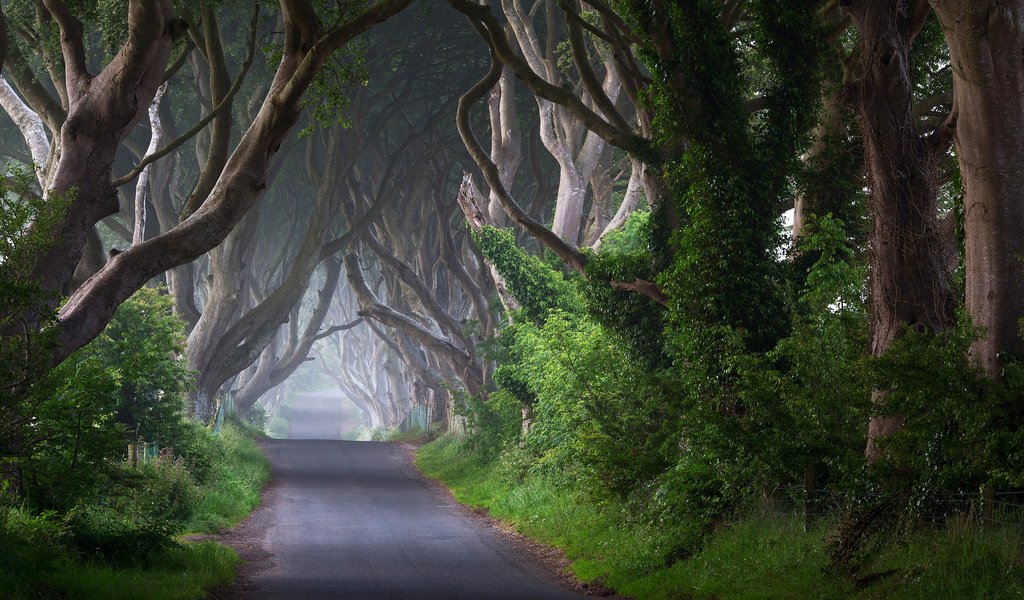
x: 687, y: 427
x: 960, y: 430
x: 138, y: 514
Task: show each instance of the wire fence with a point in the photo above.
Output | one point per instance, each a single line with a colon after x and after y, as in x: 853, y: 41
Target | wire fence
x: 418, y: 419
x: 985, y: 507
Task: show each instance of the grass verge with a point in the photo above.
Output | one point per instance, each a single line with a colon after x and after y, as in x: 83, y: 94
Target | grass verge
x: 36, y: 563
x: 181, y: 573
x: 759, y: 557
x: 234, y: 490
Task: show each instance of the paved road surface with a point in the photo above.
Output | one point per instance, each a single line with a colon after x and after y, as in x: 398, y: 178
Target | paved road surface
x: 354, y: 520
x: 317, y: 415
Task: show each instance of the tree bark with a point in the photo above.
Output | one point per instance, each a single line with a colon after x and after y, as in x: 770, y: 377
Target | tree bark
x: 31, y: 128
x: 910, y: 280
x: 103, y: 109
x: 142, y: 186
x: 986, y: 50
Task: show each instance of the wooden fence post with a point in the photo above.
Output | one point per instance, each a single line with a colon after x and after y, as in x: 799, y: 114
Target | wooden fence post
x: 809, y: 496
x: 988, y: 505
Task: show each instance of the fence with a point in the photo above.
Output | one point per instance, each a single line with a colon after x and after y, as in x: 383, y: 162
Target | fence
x: 986, y: 507
x: 225, y: 406
x: 417, y: 419
x: 141, y: 451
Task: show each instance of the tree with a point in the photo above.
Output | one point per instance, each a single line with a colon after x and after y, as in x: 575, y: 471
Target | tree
x: 912, y: 254
x: 988, y: 96
x: 107, y: 105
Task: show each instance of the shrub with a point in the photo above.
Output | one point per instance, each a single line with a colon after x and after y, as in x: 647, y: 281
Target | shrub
x: 138, y: 514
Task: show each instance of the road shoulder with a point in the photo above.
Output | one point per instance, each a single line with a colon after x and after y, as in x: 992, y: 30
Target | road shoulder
x: 552, y: 560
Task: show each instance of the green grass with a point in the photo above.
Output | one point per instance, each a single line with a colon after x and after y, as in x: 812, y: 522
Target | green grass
x: 414, y: 435
x: 759, y: 557
x: 959, y: 562
x: 180, y: 573
x: 235, y: 488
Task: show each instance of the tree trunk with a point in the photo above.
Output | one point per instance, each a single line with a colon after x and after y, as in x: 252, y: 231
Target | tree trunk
x: 910, y: 279
x: 986, y: 51
x: 103, y: 110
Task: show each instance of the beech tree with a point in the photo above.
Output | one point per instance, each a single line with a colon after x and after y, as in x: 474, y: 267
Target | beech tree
x: 912, y: 253
x: 988, y: 94
x: 102, y: 110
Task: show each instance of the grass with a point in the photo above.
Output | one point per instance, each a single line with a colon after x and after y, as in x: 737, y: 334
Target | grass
x: 235, y: 487
x: 758, y: 557
x: 414, y: 435
x: 35, y: 564
x: 180, y: 573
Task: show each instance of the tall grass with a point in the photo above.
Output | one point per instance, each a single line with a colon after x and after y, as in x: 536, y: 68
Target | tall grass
x: 181, y: 573
x: 757, y: 557
x: 234, y: 490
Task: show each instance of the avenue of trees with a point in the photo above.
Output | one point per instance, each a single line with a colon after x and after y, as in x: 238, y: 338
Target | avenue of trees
x: 556, y: 226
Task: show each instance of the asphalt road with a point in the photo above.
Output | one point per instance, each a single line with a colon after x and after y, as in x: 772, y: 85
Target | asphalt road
x: 319, y: 415
x: 356, y: 520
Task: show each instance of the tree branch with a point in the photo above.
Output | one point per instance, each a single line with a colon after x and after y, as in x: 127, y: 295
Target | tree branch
x: 492, y: 32
x: 579, y: 56
x: 71, y: 32
x: 567, y: 253
x: 199, y: 126
x: 336, y: 328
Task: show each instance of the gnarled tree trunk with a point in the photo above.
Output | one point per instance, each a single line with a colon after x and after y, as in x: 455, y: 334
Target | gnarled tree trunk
x: 910, y: 277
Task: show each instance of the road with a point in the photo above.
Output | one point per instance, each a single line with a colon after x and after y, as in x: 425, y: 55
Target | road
x: 320, y: 415
x: 355, y: 520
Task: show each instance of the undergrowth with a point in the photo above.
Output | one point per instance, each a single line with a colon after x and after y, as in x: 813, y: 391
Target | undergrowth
x: 234, y: 489
x: 760, y: 556
x: 41, y: 554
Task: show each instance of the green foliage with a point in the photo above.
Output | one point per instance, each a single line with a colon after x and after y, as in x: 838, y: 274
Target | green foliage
x: 233, y: 483
x: 754, y: 420
x: 755, y: 556
x: 755, y: 374
x: 26, y: 223
x: 823, y: 379
x: 496, y: 423
x: 137, y: 514
x: 67, y: 481
x: 535, y: 285
x: 628, y: 254
x: 600, y: 417
x: 128, y: 383
x: 684, y: 444
x: 328, y: 100
x: 121, y: 539
x: 35, y: 563
x: 960, y: 430
x: 146, y: 341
